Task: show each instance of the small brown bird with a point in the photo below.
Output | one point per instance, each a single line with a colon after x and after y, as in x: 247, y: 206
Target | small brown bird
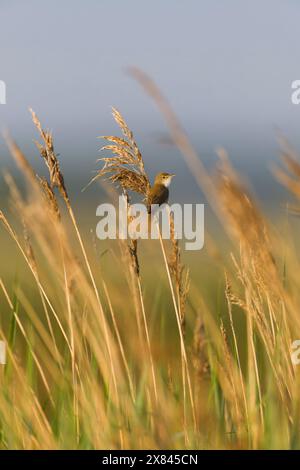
x: 159, y: 193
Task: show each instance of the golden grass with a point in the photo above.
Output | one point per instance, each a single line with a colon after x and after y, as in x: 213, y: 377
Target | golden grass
x: 105, y: 353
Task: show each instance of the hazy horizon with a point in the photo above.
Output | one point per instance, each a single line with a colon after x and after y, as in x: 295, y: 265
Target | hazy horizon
x: 226, y: 68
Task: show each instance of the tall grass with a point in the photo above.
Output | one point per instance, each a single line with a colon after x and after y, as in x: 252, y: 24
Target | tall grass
x: 102, y: 354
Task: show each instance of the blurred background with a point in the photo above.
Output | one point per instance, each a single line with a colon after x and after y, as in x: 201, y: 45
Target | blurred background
x: 226, y: 67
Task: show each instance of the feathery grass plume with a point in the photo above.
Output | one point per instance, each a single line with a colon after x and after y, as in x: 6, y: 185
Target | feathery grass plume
x: 180, y: 138
x: 126, y: 169
x: 57, y: 180
x: 102, y: 403
x: 50, y: 157
x: 50, y: 237
x: 265, y: 302
x: 126, y: 166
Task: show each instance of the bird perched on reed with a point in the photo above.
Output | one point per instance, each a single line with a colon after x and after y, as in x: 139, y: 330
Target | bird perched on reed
x: 159, y: 192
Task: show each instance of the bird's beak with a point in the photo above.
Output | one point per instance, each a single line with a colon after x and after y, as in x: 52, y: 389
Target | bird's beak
x: 172, y: 175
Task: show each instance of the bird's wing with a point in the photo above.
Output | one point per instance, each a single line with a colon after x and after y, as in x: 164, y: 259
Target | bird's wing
x: 159, y: 194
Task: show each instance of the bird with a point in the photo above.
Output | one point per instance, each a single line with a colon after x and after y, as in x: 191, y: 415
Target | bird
x: 159, y: 192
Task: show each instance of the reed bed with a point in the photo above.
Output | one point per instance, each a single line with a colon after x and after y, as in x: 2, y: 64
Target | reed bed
x: 96, y: 361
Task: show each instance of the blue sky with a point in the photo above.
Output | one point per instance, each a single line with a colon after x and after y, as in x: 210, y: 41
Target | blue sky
x: 226, y: 67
